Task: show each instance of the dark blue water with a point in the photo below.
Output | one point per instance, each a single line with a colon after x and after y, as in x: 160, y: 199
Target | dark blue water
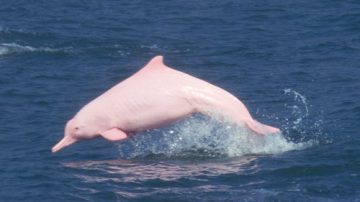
x: 295, y: 64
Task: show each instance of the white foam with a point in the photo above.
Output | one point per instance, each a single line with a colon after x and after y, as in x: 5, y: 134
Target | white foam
x: 205, y: 137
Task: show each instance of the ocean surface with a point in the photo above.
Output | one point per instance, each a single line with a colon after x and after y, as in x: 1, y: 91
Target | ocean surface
x: 294, y: 64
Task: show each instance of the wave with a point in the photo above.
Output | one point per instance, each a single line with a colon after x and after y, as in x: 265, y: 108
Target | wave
x: 11, y: 48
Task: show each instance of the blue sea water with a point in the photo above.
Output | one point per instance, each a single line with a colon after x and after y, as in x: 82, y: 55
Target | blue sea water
x: 295, y: 65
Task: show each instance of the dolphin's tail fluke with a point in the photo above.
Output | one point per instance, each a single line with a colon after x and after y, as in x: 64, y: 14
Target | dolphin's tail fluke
x: 261, y: 128
x: 66, y: 141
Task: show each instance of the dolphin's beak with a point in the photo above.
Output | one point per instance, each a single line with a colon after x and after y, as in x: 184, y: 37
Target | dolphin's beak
x: 66, y: 141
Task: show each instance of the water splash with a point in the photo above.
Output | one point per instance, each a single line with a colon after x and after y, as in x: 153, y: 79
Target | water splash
x: 299, y: 126
x: 296, y: 110
x: 203, y: 137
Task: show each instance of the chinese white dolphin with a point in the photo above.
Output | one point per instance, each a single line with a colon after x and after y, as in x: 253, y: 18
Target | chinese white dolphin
x: 154, y: 96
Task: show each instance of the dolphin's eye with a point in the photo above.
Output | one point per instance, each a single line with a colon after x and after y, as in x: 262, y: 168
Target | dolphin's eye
x: 76, y: 128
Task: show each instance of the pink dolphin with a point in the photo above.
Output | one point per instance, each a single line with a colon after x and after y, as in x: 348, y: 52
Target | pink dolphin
x: 154, y: 96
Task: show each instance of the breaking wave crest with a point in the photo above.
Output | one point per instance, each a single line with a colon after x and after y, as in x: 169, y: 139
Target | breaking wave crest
x: 10, y: 48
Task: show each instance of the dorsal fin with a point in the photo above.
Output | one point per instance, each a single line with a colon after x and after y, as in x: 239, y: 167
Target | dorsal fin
x: 157, y: 61
x: 154, y: 64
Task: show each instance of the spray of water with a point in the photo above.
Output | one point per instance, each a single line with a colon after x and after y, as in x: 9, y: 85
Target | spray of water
x: 203, y: 137
x: 299, y: 126
x: 296, y: 110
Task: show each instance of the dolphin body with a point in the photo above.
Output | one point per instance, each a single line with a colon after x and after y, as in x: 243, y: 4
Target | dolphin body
x: 154, y: 96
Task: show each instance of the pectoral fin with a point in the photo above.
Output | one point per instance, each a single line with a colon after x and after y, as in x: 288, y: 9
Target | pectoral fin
x: 114, y: 134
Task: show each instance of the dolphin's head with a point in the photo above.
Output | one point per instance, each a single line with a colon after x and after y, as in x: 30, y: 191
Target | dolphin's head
x: 74, y: 131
